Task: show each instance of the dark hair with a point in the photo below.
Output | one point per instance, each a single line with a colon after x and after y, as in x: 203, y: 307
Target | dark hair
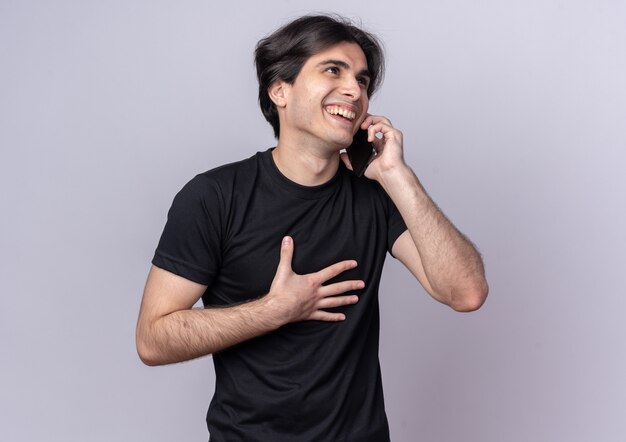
x: 281, y: 55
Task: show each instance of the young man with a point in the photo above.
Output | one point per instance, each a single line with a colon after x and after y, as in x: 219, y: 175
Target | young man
x: 286, y: 250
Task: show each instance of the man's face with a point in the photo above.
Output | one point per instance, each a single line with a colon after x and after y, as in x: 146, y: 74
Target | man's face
x: 328, y: 101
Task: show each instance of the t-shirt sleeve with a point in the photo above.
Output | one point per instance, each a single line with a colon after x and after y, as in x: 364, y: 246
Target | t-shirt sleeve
x: 396, y: 227
x: 395, y: 224
x: 191, y: 240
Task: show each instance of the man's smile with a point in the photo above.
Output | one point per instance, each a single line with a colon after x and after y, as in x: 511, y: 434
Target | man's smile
x: 341, y: 111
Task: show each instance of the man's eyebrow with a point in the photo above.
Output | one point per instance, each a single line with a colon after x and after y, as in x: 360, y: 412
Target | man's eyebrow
x: 344, y: 65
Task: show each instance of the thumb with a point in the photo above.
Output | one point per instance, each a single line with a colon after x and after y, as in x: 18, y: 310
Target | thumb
x: 286, y: 254
x: 346, y: 160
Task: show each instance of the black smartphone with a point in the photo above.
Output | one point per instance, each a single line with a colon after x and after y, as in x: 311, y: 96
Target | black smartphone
x: 361, y: 152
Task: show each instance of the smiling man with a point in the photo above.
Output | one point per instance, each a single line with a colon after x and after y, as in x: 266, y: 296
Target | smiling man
x: 286, y: 250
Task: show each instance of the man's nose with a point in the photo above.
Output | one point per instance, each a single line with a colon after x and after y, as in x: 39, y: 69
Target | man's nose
x: 351, y: 88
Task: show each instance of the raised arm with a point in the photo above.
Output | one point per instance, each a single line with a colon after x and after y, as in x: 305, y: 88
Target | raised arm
x: 169, y: 330
x: 443, y: 260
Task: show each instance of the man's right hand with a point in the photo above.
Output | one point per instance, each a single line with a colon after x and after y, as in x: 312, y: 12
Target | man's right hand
x: 169, y: 330
x: 304, y: 297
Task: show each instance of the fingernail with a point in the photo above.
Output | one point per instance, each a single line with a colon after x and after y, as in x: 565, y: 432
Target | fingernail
x: 286, y: 240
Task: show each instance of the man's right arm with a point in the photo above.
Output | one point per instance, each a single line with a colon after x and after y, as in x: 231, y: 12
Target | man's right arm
x: 169, y: 330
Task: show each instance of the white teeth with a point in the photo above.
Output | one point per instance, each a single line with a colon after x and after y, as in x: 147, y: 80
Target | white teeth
x: 335, y: 110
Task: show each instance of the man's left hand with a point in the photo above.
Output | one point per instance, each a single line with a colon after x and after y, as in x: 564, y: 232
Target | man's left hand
x: 389, y: 147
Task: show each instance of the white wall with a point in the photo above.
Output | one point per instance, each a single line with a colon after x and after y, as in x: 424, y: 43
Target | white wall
x: 513, y: 115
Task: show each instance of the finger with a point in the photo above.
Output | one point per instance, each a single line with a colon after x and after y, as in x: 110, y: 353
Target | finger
x: 335, y: 269
x: 388, y: 133
x: 383, y: 128
x: 375, y: 119
x: 286, y: 254
x: 321, y: 315
x: 337, y: 301
x: 367, y: 122
x: 346, y: 160
x: 371, y: 135
x: 341, y: 287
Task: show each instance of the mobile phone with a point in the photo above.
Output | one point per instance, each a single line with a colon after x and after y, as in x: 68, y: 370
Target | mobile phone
x: 361, y: 152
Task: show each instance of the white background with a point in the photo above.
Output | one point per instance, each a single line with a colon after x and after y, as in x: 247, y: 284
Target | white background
x: 514, y: 118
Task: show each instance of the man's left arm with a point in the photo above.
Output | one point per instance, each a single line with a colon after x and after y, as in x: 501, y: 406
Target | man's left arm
x: 443, y: 260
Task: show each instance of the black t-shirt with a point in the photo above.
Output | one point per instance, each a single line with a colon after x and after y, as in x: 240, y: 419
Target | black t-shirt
x: 307, y: 381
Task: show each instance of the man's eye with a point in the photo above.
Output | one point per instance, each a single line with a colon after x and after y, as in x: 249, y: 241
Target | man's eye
x: 333, y: 70
x: 363, y: 81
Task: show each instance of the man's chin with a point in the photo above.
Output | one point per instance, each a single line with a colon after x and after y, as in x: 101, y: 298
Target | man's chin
x: 345, y: 141
x: 343, y: 145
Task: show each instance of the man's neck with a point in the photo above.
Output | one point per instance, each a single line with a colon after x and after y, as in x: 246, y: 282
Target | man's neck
x: 305, y: 165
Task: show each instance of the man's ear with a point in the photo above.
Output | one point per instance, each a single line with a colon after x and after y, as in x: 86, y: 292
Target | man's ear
x: 278, y: 93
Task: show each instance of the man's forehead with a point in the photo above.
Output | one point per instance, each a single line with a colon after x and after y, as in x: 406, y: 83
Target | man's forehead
x: 347, y: 54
